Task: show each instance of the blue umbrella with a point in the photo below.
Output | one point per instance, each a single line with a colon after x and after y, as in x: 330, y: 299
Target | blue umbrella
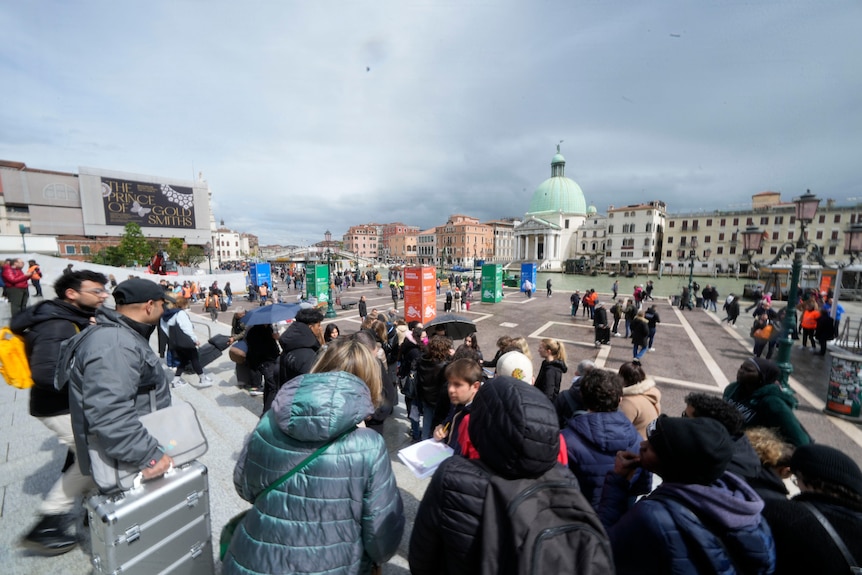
x: 270, y: 314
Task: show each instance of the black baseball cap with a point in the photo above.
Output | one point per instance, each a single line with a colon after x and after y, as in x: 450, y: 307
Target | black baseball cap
x: 138, y: 290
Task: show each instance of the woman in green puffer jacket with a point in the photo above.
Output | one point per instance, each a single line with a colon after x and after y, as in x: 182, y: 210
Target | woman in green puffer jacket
x: 340, y: 514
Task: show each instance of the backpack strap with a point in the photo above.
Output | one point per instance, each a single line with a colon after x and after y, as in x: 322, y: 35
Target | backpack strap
x: 830, y: 530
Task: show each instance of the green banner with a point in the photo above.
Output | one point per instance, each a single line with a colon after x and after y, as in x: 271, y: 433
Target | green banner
x: 317, y: 282
x: 492, y: 283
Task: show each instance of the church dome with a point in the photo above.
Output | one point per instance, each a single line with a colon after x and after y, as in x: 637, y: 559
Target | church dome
x: 558, y: 193
x: 592, y: 210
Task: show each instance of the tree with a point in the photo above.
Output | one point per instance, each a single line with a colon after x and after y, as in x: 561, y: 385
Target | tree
x: 194, y: 255
x: 109, y: 256
x: 176, y: 247
x: 134, y: 247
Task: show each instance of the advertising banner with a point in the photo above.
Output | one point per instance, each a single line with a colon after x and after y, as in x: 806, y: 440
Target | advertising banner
x: 528, y: 272
x: 148, y: 205
x: 844, y: 394
x: 258, y: 273
x: 420, y: 294
x: 317, y: 282
x: 492, y: 283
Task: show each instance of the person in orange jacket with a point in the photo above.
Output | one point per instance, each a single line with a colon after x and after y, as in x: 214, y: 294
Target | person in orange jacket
x: 35, y: 277
x: 810, y: 314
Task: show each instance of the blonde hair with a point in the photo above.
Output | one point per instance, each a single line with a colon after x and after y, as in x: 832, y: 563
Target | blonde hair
x: 181, y: 302
x: 772, y: 451
x: 519, y: 344
x: 557, y: 349
x: 352, y: 356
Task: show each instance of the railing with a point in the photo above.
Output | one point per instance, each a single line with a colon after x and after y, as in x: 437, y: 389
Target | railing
x: 850, y: 335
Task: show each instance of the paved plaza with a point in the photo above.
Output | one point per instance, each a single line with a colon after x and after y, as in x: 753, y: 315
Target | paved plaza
x: 694, y: 352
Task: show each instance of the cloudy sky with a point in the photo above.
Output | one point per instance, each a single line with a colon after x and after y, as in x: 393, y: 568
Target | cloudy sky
x: 308, y: 116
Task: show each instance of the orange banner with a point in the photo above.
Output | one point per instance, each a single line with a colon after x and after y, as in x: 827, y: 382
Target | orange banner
x: 420, y: 294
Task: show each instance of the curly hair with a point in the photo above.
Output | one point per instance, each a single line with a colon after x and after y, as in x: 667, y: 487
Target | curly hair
x: 772, y: 451
x: 601, y: 390
x: 714, y: 407
x: 438, y: 348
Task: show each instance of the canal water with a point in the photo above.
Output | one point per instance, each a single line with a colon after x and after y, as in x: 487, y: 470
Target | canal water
x: 667, y: 286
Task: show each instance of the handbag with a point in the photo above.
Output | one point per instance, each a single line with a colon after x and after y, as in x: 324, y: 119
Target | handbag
x: 178, y: 432
x: 178, y: 339
x: 229, y: 529
x: 409, y: 385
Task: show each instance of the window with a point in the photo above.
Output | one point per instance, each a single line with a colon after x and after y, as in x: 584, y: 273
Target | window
x: 707, y: 239
x: 670, y: 240
x: 721, y: 237
x: 668, y: 254
x: 779, y: 220
x: 834, y: 234
x: 790, y: 235
x: 764, y: 221
x: 611, y: 229
x: 708, y: 222
x: 70, y: 250
x: 735, y: 221
x: 722, y: 222
x: 85, y: 250
x: 775, y: 236
x: 732, y: 250
x: 646, y: 241
x: 567, y: 224
x: 773, y: 250
x: 749, y: 221
x: 672, y: 224
x: 831, y: 250
x: 821, y: 219
x: 837, y: 218
x: 719, y: 250
x: 819, y: 235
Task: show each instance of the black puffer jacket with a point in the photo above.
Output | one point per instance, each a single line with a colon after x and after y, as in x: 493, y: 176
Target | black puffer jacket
x: 299, y: 348
x: 44, y: 327
x: 549, y: 378
x: 429, y: 376
x: 515, y: 430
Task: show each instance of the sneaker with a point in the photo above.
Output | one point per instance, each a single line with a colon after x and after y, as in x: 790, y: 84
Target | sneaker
x: 178, y: 381
x: 254, y: 391
x: 617, y: 334
x: 206, y: 381
x: 49, y: 536
x: 652, y: 349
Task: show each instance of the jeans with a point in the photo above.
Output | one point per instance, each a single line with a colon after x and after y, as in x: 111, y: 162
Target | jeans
x: 628, y: 327
x: 651, y: 336
x: 427, y: 421
x: 638, y: 354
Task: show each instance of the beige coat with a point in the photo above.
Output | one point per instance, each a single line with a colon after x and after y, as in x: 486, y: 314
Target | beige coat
x: 642, y: 404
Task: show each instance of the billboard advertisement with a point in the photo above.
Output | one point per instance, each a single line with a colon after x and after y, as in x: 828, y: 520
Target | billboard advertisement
x: 528, y: 272
x: 317, y: 282
x: 420, y: 294
x: 492, y: 283
x: 147, y: 204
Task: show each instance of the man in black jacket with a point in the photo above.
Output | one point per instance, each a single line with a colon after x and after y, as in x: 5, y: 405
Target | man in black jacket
x: 299, y: 346
x: 44, y: 327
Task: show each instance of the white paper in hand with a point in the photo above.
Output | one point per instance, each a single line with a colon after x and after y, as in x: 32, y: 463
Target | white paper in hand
x: 424, y: 457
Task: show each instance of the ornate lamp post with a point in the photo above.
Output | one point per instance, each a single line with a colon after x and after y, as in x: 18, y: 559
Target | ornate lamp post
x: 691, y: 256
x: 330, y: 311
x: 208, y: 252
x: 806, y: 208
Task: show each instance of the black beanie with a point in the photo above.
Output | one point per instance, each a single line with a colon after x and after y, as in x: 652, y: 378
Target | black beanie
x: 691, y: 450
x: 827, y: 464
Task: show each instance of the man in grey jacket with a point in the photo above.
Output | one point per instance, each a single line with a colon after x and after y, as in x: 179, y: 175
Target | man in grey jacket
x: 110, y: 369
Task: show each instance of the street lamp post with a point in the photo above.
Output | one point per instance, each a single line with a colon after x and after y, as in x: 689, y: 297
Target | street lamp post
x: 691, y: 256
x: 23, y: 229
x: 330, y: 311
x: 806, y: 208
x: 208, y: 252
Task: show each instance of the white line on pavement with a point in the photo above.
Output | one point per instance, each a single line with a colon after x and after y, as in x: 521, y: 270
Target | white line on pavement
x: 719, y: 377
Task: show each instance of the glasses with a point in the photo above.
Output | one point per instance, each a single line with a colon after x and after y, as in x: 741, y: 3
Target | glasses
x: 99, y: 291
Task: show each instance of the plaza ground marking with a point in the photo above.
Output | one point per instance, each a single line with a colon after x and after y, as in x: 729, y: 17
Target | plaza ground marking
x: 707, y: 358
x: 847, y: 428
x: 682, y: 383
x: 602, y: 357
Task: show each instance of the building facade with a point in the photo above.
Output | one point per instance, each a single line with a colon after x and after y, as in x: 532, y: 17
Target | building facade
x: 635, y: 237
x: 463, y: 240
x: 363, y: 240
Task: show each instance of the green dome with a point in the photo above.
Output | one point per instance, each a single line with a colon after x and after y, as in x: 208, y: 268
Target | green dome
x: 558, y: 194
x: 592, y: 210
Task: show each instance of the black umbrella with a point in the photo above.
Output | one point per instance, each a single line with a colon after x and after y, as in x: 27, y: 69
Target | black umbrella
x: 269, y: 314
x: 457, y: 327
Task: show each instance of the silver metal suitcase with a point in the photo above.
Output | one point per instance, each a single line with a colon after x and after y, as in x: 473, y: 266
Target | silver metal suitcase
x: 161, y: 527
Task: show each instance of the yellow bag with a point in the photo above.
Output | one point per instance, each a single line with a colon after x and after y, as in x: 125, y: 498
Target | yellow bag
x: 764, y: 333
x: 14, y: 366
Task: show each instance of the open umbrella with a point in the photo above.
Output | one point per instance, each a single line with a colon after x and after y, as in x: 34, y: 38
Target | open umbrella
x: 270, y: 314
x: 457, y: 327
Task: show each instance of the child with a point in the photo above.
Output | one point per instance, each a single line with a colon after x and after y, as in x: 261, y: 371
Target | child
x: 464, y: 377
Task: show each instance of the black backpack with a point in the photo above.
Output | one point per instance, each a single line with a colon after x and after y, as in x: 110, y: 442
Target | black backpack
x: 540, y: 526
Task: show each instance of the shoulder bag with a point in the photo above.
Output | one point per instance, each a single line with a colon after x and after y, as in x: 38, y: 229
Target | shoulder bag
x: 178, y: 432
x: 230, y: 527
x: 827, y: 526
x: 178, y: 339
